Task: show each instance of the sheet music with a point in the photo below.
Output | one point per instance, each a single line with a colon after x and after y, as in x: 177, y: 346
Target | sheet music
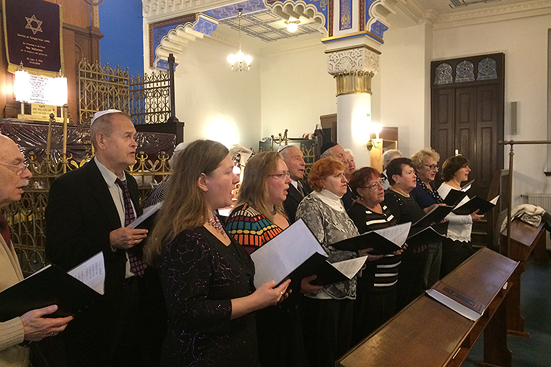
x: 148, y: 212
x: 350, y: 267
x: 397, y: 234
x: 467, y: 186
x: 277, y: 258
x: 494, y: 200
x: 91, y: 272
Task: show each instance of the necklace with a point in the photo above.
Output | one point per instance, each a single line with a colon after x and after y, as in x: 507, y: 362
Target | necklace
x: 215, y: 223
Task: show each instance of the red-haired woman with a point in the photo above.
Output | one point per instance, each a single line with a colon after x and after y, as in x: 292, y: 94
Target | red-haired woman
x: 329, y: 312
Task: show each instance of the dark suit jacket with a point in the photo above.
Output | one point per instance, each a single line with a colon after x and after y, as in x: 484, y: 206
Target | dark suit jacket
x: 293, y: 199
x: 79, y: 217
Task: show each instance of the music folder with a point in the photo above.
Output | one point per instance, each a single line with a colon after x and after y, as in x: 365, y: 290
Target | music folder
x: 73, y: 292
x: 476, y: 203
x: 434, y: 216
x: 422, y: 236
x: 295, y: 253
x: 454, y: 197
x: 382, y: 241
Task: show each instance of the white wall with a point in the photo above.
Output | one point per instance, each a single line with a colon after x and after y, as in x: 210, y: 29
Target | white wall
x: 213, y: 101
x: 524, y: 42
x: 296, y: 90
x: 402, y: 87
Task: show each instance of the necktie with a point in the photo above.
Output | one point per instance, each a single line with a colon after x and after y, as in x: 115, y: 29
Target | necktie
x: 137, y: 266
x: 300, y: 189
x: 5, y: 230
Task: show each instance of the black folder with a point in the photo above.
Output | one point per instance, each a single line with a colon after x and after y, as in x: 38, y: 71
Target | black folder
x: 454, y: 197
x: 380, y: 245
x: 430, y: 234
x: 47, y: 287
x: 434, y: 216
x: 476, y: 203
x: 372, y: 239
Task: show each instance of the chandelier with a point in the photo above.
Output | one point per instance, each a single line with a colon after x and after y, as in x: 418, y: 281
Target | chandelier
x: 240, y: 61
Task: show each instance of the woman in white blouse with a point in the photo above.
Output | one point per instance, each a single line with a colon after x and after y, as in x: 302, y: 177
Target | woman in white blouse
x: 456, y: 248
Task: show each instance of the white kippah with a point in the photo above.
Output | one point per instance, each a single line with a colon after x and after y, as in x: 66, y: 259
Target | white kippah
x: 283, y: 147
x: 98, y: 114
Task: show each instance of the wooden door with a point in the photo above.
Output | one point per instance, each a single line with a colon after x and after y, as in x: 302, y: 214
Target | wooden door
x: 467, y: 113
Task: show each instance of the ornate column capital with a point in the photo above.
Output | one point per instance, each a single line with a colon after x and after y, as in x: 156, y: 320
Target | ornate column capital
x: 353, y: 68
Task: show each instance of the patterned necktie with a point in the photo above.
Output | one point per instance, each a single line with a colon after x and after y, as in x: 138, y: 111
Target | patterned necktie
x: 137, y: 266
x: 300, y: 188
x: 5, y: 230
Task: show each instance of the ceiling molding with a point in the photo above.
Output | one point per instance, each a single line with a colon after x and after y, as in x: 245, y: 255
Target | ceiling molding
x: 159, y: 10
x: 494, y: 14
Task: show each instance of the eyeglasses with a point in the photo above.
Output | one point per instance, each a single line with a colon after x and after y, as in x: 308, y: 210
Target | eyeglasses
x: 20, y: 169
x: 374, y: 186
x: 432, y: 167
x: 281, y: 175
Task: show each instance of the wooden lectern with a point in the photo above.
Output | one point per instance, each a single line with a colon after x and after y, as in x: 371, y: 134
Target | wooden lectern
x: 427, y: 333
x: 525, y: 239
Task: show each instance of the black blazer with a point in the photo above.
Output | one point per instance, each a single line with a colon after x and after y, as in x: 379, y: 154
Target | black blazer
x: 79, y: 217
x: 293, y: 199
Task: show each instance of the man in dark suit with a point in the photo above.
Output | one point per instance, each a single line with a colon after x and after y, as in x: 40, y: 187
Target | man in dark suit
x: 88, y: 211
x: 298, y: 188
x: 330, y: 149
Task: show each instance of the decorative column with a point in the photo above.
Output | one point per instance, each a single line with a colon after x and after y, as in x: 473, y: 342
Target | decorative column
x: 353, y: 68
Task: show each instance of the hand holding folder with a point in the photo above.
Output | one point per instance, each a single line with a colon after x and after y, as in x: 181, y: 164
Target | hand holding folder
x: 72, y: 292
x: 382, y: 241
x: 295, y: 254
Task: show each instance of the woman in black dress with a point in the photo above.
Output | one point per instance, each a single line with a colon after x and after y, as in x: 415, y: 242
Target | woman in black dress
x: 207, y: 278
x: 403, y: 206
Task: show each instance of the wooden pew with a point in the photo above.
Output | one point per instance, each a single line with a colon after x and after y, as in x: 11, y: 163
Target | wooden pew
x: 427, y: 333
x: 525, y: 240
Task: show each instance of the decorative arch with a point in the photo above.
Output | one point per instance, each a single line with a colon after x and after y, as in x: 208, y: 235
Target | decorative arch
x: 377, y: 12
x: 316, y: 10
x: 171, y: 36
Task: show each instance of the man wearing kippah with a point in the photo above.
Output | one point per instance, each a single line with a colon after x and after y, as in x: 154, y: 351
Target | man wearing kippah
x: 89, y: 211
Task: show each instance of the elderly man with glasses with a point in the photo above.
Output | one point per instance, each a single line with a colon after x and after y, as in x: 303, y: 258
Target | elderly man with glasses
x: 16, y: 333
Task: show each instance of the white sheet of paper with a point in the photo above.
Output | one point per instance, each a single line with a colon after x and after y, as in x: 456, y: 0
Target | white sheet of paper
x: 453, y: 305
x: 397, y: 234
x: 91, y: 272
x: 277, y: 258
x: 494, y: 200
x: 350, y: 267
x: 148, y: 212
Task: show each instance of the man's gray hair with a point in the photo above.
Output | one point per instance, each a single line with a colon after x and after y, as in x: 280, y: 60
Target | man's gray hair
x: 389, y: 155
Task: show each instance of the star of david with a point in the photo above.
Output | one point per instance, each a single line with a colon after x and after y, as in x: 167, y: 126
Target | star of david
x: 30, y: 22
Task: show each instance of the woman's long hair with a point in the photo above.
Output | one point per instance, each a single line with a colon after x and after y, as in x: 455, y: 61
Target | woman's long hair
x: 185, y: 206
x: 254, y: 188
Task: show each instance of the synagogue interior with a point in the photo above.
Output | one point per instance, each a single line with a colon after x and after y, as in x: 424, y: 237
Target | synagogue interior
x: 358, y: 121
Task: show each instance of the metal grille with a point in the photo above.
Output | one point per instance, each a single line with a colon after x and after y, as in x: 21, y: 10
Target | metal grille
x: 101, y: 89
x: 26, y: 217
x: 146, y: 99
x: 150, y: 98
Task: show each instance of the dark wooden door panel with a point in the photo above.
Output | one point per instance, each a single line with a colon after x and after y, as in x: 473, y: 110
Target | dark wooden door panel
x: 467, y: 113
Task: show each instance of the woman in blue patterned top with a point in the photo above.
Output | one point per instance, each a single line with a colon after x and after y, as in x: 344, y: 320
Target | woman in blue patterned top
x: 207, y: 278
